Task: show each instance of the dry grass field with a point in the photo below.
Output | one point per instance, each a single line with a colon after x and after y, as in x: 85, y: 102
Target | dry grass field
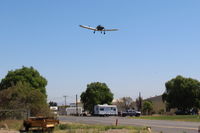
x: 13, y: 126
x: 85, y: 128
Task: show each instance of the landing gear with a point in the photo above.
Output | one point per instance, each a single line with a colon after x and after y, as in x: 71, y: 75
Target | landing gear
x: 101, y: 32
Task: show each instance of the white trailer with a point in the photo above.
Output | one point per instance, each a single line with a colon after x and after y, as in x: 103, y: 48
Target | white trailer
x: 105, y: 110
x: 74, y: 110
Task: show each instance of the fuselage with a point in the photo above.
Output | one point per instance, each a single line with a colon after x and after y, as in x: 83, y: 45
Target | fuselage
x: 100, y: 28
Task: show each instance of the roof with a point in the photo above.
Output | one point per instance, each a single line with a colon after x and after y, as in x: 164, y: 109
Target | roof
x: 105, y: 105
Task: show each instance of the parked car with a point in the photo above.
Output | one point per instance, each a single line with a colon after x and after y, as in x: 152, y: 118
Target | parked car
x: 181, y: 112
x: 192, y: 111
x: 131, y: 113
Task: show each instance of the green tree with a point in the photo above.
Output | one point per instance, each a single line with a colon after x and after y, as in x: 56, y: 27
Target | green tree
x: 139, y: 102
x: 96, y: 93
x: 24, y: 75
x: 147, y: 107
x: 51, y: 103
x: 182, y: 93
x: 23, y: 97
x: 37, y: 103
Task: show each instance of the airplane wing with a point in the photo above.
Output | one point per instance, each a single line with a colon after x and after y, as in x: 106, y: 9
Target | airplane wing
x: 87, y: 27
x: 110, y: 29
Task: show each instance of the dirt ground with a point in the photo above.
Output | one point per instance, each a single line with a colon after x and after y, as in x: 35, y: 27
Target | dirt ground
x: 8, y: 131
x: 109, y: 131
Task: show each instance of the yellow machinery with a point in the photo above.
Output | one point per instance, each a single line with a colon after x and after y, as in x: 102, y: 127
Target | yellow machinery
x: 43, y: 124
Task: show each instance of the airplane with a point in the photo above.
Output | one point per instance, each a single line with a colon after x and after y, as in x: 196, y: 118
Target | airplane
x: 98, y: 28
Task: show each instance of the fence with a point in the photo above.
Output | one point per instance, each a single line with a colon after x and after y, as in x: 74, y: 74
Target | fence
x: 14, y: 114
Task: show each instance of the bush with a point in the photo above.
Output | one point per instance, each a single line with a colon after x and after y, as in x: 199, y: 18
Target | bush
x: 63, y: 126
x: 161, y: 111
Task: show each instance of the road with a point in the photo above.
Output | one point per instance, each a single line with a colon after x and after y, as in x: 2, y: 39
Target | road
x: 157, y: 126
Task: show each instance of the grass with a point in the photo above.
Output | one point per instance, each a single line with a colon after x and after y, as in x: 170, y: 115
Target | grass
x: 80, y: 128
x: 86, y: 128
x: 12, y: 124
x: 189, y: 118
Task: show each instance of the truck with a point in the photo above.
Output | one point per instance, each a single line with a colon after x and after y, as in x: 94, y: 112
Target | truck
x: 40, y: 124
x: 131, y: 113
x: 105, y: 110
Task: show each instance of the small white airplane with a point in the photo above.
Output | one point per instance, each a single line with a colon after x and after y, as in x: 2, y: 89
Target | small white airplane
x: 98, y: 28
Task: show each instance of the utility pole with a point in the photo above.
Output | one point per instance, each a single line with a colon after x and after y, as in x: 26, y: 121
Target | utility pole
x: 65, y: 104
x: 76, y: 105
x: 65, y: 100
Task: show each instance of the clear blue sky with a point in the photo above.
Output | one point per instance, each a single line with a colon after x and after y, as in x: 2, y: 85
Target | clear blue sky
x: 157, y: 40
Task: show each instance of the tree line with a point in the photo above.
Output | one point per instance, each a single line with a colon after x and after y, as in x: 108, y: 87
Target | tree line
x: 25, y: 88
x: 181, y: 93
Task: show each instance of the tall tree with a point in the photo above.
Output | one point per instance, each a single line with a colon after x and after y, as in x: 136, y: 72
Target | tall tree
x: 139, y: 102
x: 25, y: 75
x: 96, y: 93
x: 182, y: 93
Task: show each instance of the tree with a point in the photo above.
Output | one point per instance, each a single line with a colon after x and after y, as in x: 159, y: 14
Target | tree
x: 182, y: 93
x: 139, y: 102
x: 24, y: 75
x: 128, y: 102
x: 147, y: 107
x: 23, y: 97
x: 38, y: 103
x: 125, y: 103
x: 96, y: 93
x: 51, y: 103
